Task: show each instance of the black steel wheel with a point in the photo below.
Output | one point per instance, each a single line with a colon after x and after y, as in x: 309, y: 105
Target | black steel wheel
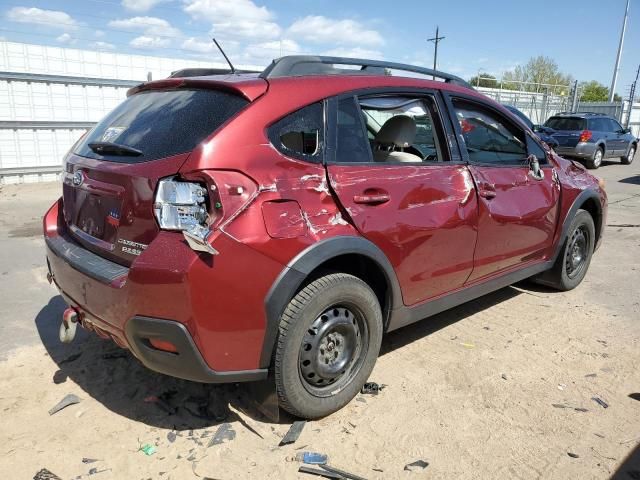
x: 329, y: 340
x: 576, y: 253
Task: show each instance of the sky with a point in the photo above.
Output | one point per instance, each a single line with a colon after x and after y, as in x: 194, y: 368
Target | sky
x: 491, y: 36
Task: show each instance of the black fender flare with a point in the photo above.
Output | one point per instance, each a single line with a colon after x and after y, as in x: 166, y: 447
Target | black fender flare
x: 575, y: 206
x: 297, y: 270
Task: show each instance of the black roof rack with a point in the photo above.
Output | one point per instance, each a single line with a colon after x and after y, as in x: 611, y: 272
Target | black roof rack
x: 303, y: 65
x: 580, y: 113
x: 203, y: 72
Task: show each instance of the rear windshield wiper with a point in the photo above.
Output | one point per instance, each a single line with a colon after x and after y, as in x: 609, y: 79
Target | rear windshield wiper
x: 114, y: 149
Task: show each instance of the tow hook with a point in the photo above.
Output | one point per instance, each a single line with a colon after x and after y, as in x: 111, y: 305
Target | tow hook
x: 69, y: 325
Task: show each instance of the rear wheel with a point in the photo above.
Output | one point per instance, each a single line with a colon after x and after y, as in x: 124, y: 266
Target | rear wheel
x: 596, y: 160
x: 573, y: 261
x: 630, y: 154
x: 329, y: 340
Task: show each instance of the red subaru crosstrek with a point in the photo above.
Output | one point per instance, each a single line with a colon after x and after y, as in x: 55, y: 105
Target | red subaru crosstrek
x: 220, y: 226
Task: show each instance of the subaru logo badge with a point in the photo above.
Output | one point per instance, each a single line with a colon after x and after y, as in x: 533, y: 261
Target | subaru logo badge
x: 78, y: 178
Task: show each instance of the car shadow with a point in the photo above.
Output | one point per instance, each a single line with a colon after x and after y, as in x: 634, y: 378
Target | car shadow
x: 633, y: 180
x: 630, y: 468
x: 116, y: 379
x: 403, y: 336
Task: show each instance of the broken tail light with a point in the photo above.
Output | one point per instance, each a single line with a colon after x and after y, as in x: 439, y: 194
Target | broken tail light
x: 202, y: 203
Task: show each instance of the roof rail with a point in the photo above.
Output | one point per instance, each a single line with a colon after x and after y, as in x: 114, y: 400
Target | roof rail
x: 204, y: 72
x: 302, y: 65
x: 580, y: 113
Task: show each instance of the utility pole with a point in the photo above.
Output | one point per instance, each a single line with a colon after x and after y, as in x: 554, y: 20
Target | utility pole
x: 632, y: 96
x: 436, y: 40
x: 614, y: 80
x: 574, y: 97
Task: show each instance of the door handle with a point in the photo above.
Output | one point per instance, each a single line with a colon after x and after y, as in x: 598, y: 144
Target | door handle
x: 487, y: 190
x: 372, y: 198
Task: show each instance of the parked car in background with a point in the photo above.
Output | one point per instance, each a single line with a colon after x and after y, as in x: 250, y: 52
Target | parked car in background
x: 545, y: 133
x: 592, y: 137
x: 229, y: 228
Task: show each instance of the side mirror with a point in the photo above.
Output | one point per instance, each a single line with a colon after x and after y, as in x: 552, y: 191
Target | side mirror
x: 534, y: 168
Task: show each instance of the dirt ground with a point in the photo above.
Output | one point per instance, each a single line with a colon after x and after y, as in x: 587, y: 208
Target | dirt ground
x: 501, y: 387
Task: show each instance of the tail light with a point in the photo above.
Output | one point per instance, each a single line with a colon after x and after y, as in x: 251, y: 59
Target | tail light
x: 585, y: 136
x: 202, y: 203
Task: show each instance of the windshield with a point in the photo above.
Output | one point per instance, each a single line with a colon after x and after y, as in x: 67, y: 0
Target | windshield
x: 566, y: 123
x: 159, y: 124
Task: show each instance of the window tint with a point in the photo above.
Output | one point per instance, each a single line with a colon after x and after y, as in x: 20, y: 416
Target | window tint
x: 352, y: 144
x: 489, y: 137
x: 162, y: 123
x: 566, y: 123
x: 533, y: 148
x: 599, y: 124
x: 614, y: 125
x: 300, y: 134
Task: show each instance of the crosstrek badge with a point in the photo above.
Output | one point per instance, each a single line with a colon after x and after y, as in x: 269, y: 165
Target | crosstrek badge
x: 111, y: 133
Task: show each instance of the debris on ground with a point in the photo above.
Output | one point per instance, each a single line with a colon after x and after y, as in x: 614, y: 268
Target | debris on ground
x: 416, y: 466
x: 89, y: 460
x: 372, y: 388
x: 70, y: 399
x: 467, y: 345
x: 312, y: 458
x: 600, y: 402
x: 561, y: 386
x: 591, y: 375
x: 249, y: 423
x: 293, y: 433
x: 45, y: 474
x: 504, y: 376
x: 59, y: 377
x: 171, y: 436
x: 224, y: 432
x: 573, y: 455
x: 147, y: 449
x: 634, y: 396
x: 341, y: 473
x: 318, y: 472
x: 70, y: 358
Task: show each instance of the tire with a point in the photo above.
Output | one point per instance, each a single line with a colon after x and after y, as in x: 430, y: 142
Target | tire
x: 329, y: 340
x: 596, y: 160
x: 567, y: 273
x: 626, y: 160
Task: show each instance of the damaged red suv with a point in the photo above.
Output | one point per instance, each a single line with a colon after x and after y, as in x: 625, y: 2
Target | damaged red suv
x: 222, y: 227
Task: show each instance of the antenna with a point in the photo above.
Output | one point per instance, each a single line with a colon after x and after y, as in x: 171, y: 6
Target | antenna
x: 233, y: 70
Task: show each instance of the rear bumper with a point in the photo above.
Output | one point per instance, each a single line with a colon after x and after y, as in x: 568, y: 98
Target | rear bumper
x: 581, y: 150
x: 206, y: 306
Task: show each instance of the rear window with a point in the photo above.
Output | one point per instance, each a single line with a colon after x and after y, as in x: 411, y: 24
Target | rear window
x: 566, y: 123
x: 161, y: 123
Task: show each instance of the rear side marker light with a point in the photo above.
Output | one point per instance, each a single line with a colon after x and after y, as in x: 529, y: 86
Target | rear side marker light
x: 163, y: 345
x: 585, y: 136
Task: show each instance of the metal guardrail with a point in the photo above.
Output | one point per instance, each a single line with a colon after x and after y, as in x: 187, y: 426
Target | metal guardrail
x: 67, y: 80
x: 44, y: 125
x: 8, y: 172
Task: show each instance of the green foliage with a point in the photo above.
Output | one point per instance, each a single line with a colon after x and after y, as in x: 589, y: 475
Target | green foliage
x: 484, y: 80
x: 538, y: 70
x: 594, y: 91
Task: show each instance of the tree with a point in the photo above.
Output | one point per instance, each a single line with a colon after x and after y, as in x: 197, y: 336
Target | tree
x: 484, y: 80
x: 594, y: 91
x: 538, y: 70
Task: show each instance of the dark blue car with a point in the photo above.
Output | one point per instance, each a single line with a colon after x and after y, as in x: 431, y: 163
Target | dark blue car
x: 544, y: 133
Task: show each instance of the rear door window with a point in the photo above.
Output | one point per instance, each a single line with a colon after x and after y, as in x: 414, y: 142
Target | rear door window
x: 161, y: 123
x: 566, y: 123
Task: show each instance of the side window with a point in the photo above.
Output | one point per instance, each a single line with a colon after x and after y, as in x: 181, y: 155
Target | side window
x: 489, y: 137
x: 351, y: 143
x: 301, y: 133
x: 389, y: 129
x: 615, y: 126
x: 600, y: 125
x: 533, y: 148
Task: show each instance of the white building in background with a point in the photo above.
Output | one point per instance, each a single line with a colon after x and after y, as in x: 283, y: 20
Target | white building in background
x: 49, y: 96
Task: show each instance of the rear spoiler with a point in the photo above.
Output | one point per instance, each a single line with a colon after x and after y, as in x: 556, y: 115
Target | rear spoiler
x: 247, y: 87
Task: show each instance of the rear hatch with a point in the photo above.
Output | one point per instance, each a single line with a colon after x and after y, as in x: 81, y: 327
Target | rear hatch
x: 567, y: 130
x: 111, y: 174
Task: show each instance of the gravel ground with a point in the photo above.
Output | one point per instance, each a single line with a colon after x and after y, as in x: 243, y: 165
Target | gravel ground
x: 501, y: 387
